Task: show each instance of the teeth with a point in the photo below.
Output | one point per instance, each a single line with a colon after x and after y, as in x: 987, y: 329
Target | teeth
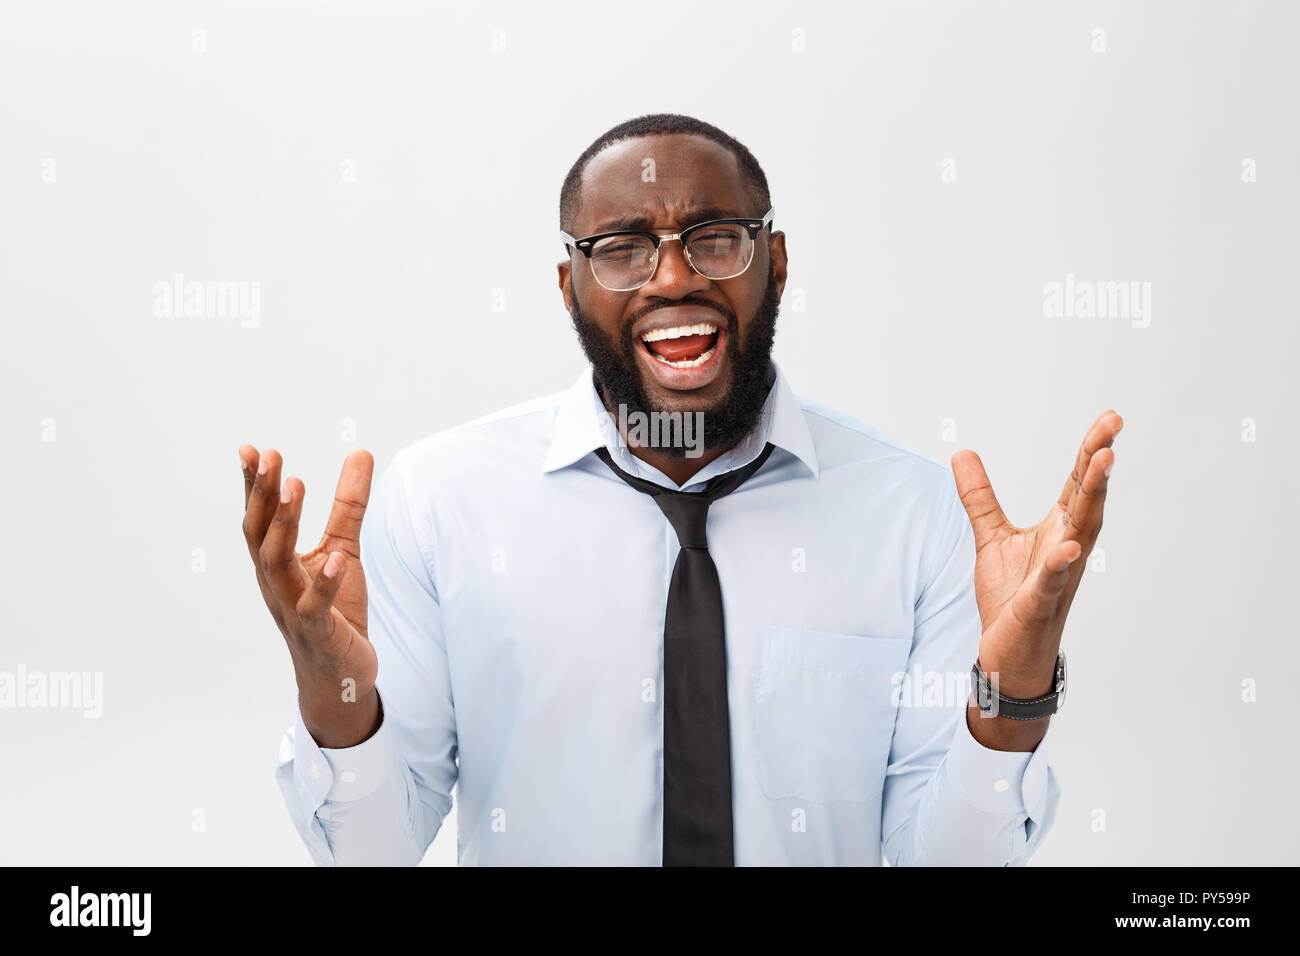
x: 702, y: 328
x: 691, y: 363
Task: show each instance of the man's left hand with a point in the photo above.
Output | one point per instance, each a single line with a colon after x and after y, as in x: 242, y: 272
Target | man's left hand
x: 1025, y: 578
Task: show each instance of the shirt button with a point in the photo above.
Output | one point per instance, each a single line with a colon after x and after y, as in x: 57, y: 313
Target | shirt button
x: 347, y: 776
x: 316, y: 770
x: 1000, y: 785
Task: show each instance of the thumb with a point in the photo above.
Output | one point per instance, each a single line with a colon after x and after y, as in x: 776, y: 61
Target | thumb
x: 351, y: 495
x: 977, y: 496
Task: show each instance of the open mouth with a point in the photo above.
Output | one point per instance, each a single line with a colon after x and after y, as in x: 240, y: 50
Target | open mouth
x: 682, y: 346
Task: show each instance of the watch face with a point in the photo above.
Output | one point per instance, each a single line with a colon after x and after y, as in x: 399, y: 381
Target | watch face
x: 1060, y: 685
x: 983, y: 691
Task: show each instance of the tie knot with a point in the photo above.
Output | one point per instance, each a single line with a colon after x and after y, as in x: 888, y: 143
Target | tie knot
x: 688, y: 513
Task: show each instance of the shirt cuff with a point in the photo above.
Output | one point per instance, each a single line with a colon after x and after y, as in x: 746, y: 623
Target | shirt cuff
x: 999, y: 781
x: 359, y: 771
x: 336, y: 774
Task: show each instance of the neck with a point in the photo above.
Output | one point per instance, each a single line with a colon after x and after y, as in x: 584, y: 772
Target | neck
x: 679, y: 469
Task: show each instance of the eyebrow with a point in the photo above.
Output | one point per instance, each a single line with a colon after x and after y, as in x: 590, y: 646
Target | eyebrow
x: 696, y: 214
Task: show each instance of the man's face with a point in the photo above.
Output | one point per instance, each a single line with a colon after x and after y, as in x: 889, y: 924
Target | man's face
x: 722, y: 374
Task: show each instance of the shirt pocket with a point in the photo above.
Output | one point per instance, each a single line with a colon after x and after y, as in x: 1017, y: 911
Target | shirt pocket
x: 824, y: 713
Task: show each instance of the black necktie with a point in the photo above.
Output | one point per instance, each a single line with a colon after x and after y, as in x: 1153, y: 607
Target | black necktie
x: 697, y: 733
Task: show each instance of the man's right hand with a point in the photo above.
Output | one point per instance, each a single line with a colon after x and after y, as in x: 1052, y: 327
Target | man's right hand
x: 318, y: 599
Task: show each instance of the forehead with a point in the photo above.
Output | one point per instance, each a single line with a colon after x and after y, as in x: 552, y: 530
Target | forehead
x: 665, y: 180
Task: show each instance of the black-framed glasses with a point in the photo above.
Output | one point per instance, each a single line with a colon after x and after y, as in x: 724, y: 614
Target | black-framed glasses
x: 626, y: 260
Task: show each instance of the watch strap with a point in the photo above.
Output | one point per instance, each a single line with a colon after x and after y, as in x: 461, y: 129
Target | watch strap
x: 1034, y: 708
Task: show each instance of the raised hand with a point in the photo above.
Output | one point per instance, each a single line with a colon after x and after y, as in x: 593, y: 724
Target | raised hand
x: 318, y: 598
x: 1026, y: 578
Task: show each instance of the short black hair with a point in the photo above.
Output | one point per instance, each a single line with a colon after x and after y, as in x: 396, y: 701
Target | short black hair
x: 658, y: 124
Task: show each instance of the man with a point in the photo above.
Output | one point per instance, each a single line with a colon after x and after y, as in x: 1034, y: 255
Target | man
x: 532, y: 610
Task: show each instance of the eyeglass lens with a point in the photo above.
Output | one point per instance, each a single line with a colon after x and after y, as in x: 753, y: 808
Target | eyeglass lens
x: 625, y: 262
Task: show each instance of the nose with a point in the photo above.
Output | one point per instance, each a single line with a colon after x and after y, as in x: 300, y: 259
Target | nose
x: 674, y: 277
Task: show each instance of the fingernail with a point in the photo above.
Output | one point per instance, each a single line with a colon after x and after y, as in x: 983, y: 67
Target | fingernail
x: 262, y: 464
x: 243, y: 465
x: 285, y: 494
x: 332, y: 565
x: 1108, y: 469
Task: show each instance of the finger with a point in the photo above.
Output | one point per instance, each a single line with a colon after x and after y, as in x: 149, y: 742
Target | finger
x: 1101, y: 434
x: 262, y: 500
x: 278, y: 559
x: 352, y: 494
x: 977, y: 496
x: 1083, y: 519
x: 1114, y: 423
x: 248, y: 465
x: 316, y: 601
x: 1036, y: 602
x: 1079, y: 462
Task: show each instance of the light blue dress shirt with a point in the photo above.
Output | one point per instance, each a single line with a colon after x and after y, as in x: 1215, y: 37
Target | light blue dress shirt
x: 517, y: 590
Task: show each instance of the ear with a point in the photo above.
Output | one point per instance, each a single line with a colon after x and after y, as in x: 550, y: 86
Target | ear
x: 565, y: 277
x: 776, y: 249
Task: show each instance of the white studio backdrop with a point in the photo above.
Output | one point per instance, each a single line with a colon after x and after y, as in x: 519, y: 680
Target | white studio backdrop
x: 936, y: 167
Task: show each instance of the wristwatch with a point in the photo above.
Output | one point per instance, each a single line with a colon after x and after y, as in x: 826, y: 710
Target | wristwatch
x: 1018, y: 709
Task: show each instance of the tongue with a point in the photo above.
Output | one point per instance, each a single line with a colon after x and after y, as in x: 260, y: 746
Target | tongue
x: 683, y: 349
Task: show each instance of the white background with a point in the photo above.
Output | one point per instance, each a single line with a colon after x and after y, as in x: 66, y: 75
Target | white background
x: 924, y: 302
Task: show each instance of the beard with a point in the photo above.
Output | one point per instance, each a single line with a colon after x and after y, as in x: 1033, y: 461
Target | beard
x: 749, y: 368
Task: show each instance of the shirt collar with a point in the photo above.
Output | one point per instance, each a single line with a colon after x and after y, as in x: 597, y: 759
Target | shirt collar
x: 582, y: 425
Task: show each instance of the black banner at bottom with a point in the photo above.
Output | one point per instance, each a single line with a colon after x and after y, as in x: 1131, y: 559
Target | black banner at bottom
x: 935, y: 908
